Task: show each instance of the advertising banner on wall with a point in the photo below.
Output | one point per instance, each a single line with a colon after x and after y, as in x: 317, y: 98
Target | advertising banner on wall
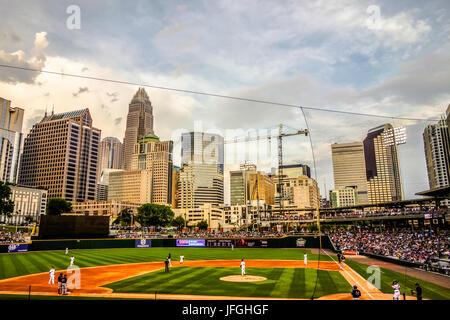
x: 219, y: 243
x: 143, y: 243
x: 190, y: 242
x: 17, y: 248
x: 252, y: 243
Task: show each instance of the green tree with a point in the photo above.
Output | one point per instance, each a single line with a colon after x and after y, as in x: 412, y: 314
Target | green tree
x: 202, y: 225
x: 157, y: 215
x: 6, y: 204
x: 29, y: 219
x: 178, y: 222
x: 124, y: 217
x: 56, y: 206
x: 312, y: 227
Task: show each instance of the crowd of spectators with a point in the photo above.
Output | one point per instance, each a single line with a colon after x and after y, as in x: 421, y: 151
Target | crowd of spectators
x: 234, y: 234
x: 146, y: 232
x: 420, y: 246
x: 385, y: 212
x: 354, y: 214
x: 13, y: 237
x: 288, y: 216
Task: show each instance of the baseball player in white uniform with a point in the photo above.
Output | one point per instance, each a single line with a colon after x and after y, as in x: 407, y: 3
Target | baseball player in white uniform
x: 242, y: 267
x: 72, y: 259
x: 52, y: 276
x: 396, y: 288
x: 181, y: 259
x: 305, y: 258
x: 67, y: 251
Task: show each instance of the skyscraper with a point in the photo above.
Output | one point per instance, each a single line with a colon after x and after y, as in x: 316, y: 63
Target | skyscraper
x: 199, y: 184
x: 139, y: 123
x: 295, y: 170
x: 301, y: 191
x: 175, y: 181
x: 150, y: 177
x: 201, y: 174
x: 437, y: 145
x: 349, y: 168
x: 111, y: 153
x: 382, y: 164
x: 239, y: 185
x: 247, y: 185
x: 10, y: 140
x: 262, y: 188
x: 103, y: 184
x: 61, y: 154
x: 202, y: 148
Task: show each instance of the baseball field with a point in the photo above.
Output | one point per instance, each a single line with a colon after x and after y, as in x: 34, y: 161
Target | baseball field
x: 205, y: 274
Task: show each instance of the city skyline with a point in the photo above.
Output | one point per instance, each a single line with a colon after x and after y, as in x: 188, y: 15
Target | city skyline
x: 345, y: 64
x: 226, y: 187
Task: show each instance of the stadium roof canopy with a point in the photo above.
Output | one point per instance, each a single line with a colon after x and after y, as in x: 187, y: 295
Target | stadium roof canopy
x: 442, y: 192
x: 391, y: 204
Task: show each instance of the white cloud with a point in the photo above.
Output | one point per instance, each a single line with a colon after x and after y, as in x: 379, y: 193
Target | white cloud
x: 19, y: 59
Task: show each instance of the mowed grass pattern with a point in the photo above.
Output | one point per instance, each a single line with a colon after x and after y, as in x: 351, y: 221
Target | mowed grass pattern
x: 19, y: 264
x: 280, y: 283
x: 429, y: 290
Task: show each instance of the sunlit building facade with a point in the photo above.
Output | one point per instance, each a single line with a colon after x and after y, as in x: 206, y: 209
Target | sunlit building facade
x: 139, y: 124
x: 11, y: 120
x: 61, y: 154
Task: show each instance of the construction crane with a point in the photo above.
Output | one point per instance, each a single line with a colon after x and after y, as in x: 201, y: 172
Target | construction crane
x: 280, y: 137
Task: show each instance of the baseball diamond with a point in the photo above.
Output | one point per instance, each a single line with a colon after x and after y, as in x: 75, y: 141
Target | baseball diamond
x: 139, y: 273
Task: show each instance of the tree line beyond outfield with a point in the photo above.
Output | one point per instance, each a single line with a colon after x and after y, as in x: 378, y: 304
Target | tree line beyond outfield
x: 148, y: 215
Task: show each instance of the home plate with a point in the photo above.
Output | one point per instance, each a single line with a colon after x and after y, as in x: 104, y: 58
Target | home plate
x: 245, y: 278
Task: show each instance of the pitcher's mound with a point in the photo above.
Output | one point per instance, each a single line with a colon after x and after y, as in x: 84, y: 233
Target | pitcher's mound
x: 243, y: 278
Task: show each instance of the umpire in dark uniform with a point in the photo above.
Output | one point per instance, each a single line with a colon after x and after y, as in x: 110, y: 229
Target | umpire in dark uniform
x: 166, y: 263
x: 356, y: 294
x: 417, y: 292
x: 60, y: 283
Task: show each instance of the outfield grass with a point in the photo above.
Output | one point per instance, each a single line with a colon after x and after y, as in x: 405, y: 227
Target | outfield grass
x: 430, y: 290
x: 18, y: 264
x: 280, y: 283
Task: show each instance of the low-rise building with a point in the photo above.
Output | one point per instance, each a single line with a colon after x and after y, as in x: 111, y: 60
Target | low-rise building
x: 212, y: 214
x: 343, y: 197
x: 302, y: 192
x: 103, y: 208
x: 28, y: 202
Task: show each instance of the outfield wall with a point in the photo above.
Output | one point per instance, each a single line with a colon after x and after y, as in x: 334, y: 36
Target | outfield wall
x: 306, y: 241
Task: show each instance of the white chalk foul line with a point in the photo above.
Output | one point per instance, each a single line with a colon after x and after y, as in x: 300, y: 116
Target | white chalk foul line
x: 350, y: 276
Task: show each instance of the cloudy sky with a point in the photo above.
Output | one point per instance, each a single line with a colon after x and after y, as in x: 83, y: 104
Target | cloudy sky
x: 379, y: 57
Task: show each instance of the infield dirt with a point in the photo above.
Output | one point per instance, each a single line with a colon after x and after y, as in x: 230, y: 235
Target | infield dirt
x: 93, y: 278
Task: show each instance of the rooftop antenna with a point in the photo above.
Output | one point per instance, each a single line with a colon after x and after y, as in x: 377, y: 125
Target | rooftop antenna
x: 45, y: 116
x: 53, y: 109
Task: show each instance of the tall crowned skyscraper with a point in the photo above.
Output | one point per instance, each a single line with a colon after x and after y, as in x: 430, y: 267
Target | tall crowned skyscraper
x: 201, y: 174
x: 139, y: 124
x: 61, y: 154
x: 11, y: 120
x: 382, y: 164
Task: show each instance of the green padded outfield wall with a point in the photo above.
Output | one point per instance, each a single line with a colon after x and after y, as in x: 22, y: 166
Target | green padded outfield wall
x: 306, y: 241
